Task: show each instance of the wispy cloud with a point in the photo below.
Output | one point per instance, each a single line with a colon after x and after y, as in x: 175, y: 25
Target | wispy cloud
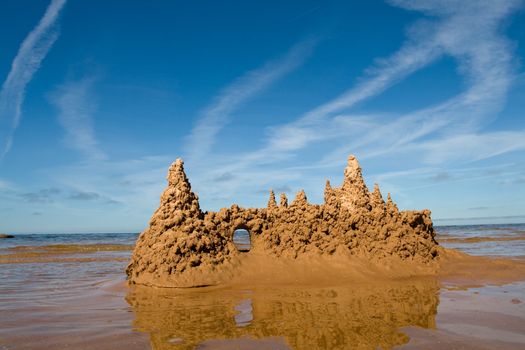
x: 4, y: 184
x: 452, y: 130
x: 84, y: 196
x: 32, y: 51
x: 468, y: 31
x: 277, y: 189
x: 413, y: 180
x: 91, y: 197
x: 76, y: 106
x: 214, y: 117
x: 471, y: 147
x: 328, y: 121
x: 45, y: 195
x: 224, y: 177
x: 481, y: 208
x: 130, y: 186
x: 49, y: 195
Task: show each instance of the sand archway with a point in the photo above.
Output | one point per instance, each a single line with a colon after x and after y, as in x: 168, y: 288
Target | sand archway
x: 242, y: 239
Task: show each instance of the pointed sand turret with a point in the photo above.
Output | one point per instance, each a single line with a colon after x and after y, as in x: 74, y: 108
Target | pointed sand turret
x: 376, y: 198
x: 300, y: 200
x: 178, y: 194
x: 272, y: 204
x: 283, y: 201
x: 354, y: 192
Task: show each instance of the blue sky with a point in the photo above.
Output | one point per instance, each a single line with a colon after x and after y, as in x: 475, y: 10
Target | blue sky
x: 98, y: 98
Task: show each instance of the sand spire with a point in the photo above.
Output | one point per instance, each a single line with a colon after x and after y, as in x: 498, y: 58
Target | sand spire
x: 329, y: 194
x: 272, y: 204
x: 391, y: 207
x: 354, y: 192
x: 376, y: 198
x: 283, y: 201
x: 178, y: 194
x: 300, y: 200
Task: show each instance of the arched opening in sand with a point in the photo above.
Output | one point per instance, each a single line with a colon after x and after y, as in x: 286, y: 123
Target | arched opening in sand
x: 241, y: 239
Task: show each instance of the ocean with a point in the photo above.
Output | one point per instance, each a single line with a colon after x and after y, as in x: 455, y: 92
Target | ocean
x: 488, y: 240
x: 60, y: 291
x: 506, y: 240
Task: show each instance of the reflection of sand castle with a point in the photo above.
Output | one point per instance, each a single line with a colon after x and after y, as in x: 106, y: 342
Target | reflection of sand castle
x: 182, y: 240
x: 345, y: 317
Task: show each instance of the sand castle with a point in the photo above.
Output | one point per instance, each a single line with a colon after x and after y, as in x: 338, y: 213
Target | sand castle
x: 183, y: 242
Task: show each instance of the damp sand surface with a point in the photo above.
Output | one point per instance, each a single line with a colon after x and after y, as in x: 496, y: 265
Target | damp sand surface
x: 71, y: 294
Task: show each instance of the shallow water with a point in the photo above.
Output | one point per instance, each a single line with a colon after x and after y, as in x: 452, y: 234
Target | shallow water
x: 489, y: 240
x: 68, y: 291
x: 44, y: 239
x: 510, y: 239
x: 363, y: 316
x: 241, y: 240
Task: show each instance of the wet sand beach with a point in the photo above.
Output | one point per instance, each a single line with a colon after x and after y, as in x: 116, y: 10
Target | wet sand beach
x: 73, y: 295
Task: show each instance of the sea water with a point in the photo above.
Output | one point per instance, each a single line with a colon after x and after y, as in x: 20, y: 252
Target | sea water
x: 492, y: 240
x: 489, y: 240
x: 67, y: 291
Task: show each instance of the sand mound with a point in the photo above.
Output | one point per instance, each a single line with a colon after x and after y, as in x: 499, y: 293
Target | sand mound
x: 185, y: 246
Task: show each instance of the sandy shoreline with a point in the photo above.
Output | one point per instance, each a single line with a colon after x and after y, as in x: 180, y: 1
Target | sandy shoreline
x: 490, y: 317
x: 81, y: 300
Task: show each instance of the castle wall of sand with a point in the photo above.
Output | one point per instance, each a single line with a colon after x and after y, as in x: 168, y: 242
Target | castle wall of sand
x: 184, y: 246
